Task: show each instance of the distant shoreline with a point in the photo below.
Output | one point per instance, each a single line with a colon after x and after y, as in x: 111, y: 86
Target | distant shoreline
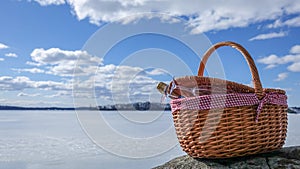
x: 34, y: 108
x: 120, y: 107
x: 142, y: 106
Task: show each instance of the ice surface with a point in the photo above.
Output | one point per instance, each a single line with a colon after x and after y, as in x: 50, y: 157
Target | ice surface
x: 54, y: 139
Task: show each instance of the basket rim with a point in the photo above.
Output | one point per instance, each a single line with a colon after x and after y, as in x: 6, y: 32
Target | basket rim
x: 216, y: 81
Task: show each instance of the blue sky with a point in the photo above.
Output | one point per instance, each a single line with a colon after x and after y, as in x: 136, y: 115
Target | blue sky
x: 41, y: 41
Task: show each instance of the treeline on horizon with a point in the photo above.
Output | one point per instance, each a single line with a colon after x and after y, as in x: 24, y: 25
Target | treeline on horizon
x: 141, y: 106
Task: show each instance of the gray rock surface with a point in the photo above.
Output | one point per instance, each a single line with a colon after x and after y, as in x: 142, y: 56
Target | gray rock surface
x: 285, y: 158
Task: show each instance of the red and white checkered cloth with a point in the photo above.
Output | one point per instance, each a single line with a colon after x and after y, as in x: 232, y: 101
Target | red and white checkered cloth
x: 217, y: 101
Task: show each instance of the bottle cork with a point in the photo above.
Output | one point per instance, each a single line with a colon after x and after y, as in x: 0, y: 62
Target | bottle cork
x: 162, y: 88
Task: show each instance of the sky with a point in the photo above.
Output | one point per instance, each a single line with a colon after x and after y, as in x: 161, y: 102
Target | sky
x: 95, y: 52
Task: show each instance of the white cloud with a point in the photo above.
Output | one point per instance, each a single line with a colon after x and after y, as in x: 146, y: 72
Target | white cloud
x: 295, y: 49
x: 295, y: 67
x: 22, y: 94
x: 54, y: 56
x: 111, y: 83
x: 1, y: 59
x: 60, y: 94
x: 32, y: 70
x: 269, y: 36
x: 275, y: 60
x: 202, y: 16
x: 65, y: 63
x: 118, y: 84
x: 277, y: 23
x: 293, y: 58
x: 22, y: 82
x: 52, y: 85
x: 270, y: 66
x: 17, y: 83
x: 102, y: 81
x: 131, y: 82
x: 11, y: 55
x: 37, y: 103
x: 49, y: 2
x: 281, y: 76
x: 106, y: 82
x: 155, y: 72
x: 294, y: 22
x: 3, y: 46
x: 33, y: 63
x: 93, y: 78
x: 270, y: 60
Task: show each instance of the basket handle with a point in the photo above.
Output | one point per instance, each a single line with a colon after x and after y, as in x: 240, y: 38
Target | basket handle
x: 255, y: 76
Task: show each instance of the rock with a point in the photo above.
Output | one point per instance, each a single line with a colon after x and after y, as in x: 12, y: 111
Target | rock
x: 285, y: 158
x: 294, y: 110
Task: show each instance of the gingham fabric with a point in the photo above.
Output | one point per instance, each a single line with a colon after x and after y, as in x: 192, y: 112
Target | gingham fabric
x: 217, y: 101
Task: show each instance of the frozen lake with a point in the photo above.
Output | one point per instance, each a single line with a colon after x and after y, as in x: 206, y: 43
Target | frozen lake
x: 55, y: 139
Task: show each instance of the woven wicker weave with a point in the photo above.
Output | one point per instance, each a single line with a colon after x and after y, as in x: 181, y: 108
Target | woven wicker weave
x: 233, y: 131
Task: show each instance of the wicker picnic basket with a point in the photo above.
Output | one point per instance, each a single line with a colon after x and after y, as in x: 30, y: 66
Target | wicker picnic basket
x: 226, y: 119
